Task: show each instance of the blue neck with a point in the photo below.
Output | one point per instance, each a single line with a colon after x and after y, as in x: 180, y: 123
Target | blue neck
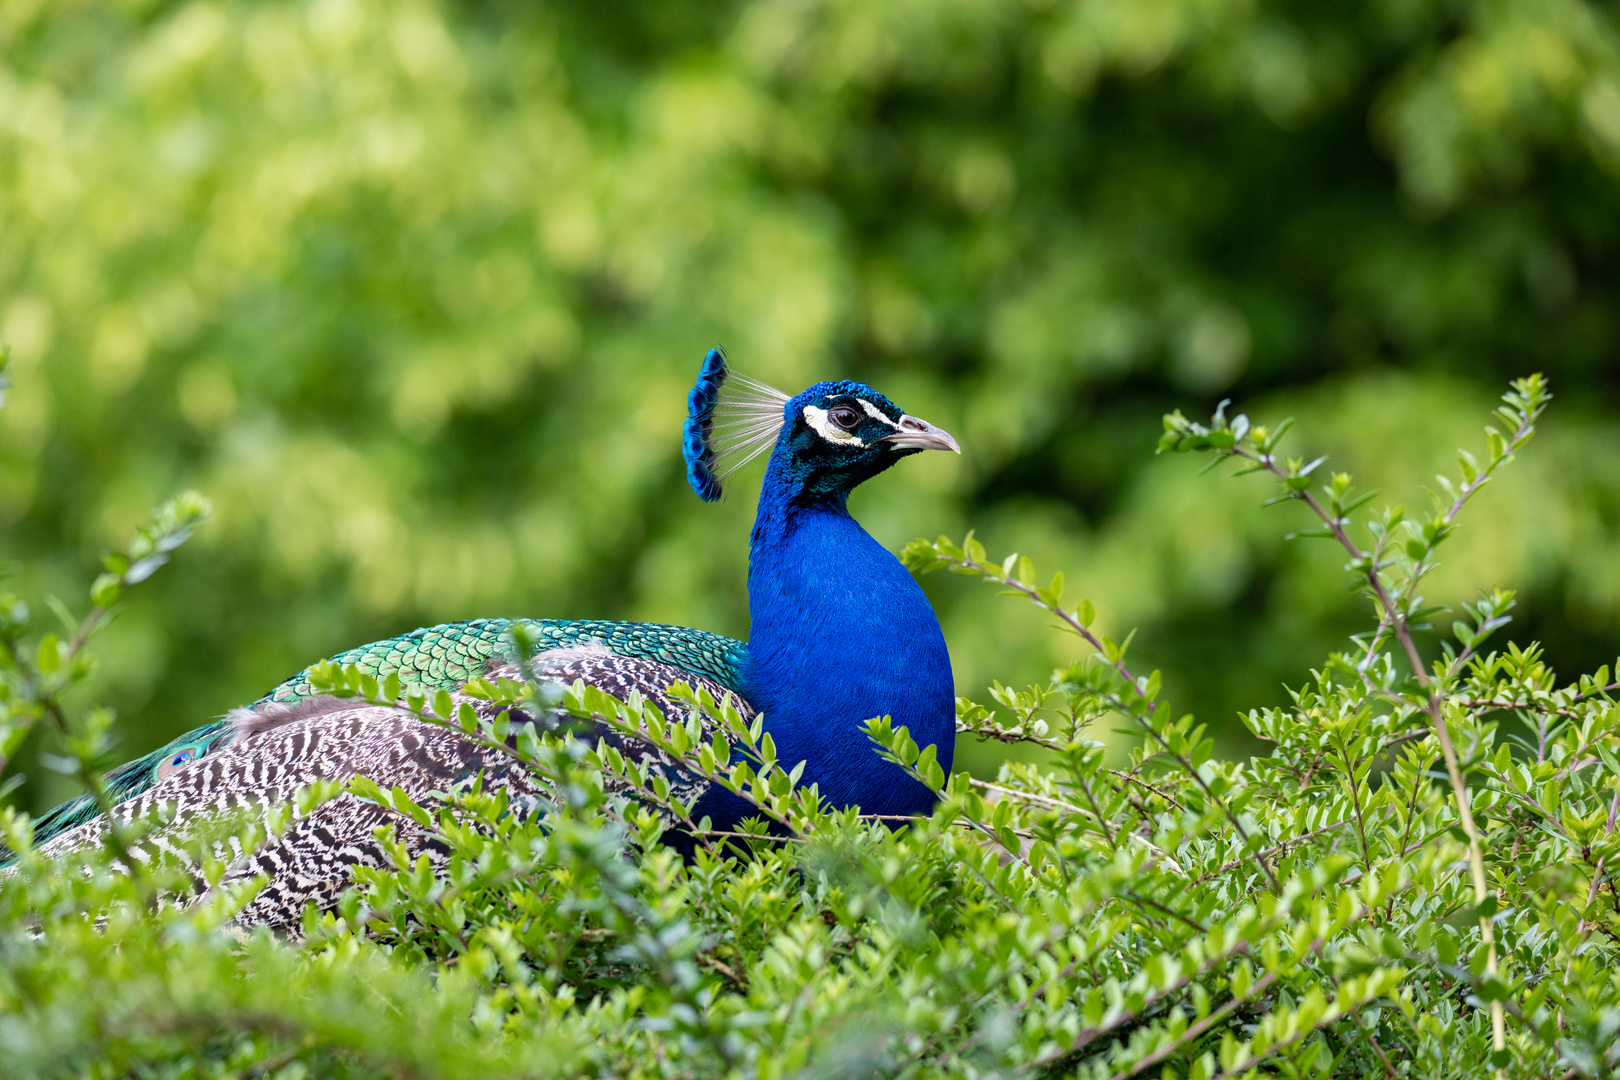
x: 840, y: 632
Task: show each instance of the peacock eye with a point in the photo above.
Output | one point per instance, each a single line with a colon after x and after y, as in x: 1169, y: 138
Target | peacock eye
x: 169, y: 766
x: 845, y: 417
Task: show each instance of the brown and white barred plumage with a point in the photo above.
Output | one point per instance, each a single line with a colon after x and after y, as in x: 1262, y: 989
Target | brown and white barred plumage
x: 285, y: 748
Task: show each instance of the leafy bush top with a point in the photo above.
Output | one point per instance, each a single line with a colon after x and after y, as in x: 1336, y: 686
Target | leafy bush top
x: 1401, y: 885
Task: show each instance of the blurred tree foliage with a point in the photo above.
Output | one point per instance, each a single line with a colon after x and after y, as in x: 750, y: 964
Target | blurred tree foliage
x: 414, y: 291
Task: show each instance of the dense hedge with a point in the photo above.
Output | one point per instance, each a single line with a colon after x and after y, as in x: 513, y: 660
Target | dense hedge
x: 1415, y: 879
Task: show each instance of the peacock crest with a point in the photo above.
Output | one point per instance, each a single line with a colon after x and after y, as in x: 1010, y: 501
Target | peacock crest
x: 731, y: 419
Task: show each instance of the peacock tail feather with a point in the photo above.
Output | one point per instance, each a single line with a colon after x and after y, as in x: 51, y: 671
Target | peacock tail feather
x: 125, y: 782
x: 443, y: 657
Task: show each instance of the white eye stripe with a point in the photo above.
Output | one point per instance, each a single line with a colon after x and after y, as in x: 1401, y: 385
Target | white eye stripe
x: 875, y: 413
x: 817, y: 419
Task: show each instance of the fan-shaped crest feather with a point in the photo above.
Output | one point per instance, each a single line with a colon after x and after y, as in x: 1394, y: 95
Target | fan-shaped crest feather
x: 730, y: 420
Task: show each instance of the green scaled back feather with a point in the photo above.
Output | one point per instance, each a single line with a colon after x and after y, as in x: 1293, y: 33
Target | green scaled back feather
x: 446, y: 656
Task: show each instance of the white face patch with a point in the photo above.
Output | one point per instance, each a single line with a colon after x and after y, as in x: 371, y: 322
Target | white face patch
x: 817, y: 419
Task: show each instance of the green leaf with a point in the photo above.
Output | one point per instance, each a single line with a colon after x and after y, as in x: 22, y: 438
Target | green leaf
x: 142, y: 569
x: 929, y: 769
x: 974, y: 549
x: 48, y: 657
x: 105, y: 590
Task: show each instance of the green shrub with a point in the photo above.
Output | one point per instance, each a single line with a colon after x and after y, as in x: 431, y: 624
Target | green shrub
x: 1416, y: 880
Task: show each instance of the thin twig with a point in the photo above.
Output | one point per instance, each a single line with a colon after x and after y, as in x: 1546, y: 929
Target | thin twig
x: 995, y: 576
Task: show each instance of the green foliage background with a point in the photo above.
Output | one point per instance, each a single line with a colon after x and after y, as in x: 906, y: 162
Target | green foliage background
x: 414, y: 291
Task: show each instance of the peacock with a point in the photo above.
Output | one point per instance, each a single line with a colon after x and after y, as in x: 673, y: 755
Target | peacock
x: 839, y: 632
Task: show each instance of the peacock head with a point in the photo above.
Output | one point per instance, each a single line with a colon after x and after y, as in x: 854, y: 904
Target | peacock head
x: 827, y: 439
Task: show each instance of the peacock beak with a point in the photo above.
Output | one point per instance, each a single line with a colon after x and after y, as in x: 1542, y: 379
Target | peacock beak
x: 915, y: 434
